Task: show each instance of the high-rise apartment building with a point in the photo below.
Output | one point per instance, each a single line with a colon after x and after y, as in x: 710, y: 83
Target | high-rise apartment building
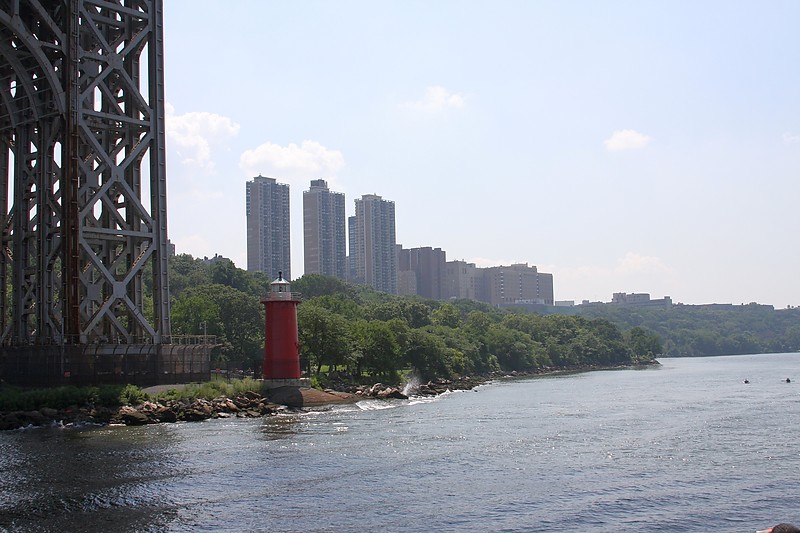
x: 268, y: 231
x: 324, y: 241
x: 428, y: 267
x: 372, y: 244
x: 518, y: 283
x: 463, y: 280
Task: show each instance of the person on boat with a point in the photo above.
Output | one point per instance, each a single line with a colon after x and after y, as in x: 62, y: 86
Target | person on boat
x: 788, y: 380
x: 746, y: 381
x: 781, y: 528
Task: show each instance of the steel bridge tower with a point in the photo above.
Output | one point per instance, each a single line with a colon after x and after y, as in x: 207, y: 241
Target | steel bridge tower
x: 82, y: 158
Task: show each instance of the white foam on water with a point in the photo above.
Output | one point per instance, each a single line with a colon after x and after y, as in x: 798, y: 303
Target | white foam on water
x: 377, y: 405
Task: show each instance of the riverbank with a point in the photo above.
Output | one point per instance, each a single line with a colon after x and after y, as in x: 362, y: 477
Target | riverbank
x: 251, y: 404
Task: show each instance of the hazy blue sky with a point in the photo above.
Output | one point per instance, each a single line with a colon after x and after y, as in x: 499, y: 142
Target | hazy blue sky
x: 638, y: 146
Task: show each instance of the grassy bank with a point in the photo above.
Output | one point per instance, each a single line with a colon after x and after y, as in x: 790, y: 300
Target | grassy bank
x: 17, y: 399
x: 111, y: 396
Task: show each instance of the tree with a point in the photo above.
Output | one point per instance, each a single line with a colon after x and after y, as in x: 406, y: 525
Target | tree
x: 340, y: 304
x: 235, y: 317
x: 428, y: 354
x: 446, y: 315
x: 513, y: 349
x: 224, y: 272
x: 414, y: 313
x: 195, y: 312
x: 378, y: 348
x: 185, y: 272
x: 324, y: 337
x: 645, y: 344
x: 315, y: 285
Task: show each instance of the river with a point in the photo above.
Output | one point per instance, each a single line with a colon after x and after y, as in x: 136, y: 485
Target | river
x: 685, y: 446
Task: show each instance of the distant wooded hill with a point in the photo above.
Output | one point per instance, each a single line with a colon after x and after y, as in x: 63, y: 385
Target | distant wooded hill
x: 687, y: 330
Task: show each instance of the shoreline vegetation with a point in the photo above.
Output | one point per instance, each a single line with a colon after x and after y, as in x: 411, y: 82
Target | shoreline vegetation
x: 131, y: 406
x: 349, y: 336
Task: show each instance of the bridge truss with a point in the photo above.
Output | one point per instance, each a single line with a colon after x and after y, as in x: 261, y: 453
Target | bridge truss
x: 83, y: 258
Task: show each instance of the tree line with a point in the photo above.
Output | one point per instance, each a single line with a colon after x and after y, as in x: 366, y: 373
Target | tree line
x: 692, y: 331
x: 360, y: 332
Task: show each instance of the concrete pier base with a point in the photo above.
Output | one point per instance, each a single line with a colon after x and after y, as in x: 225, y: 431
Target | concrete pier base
x: 278, y: 383
x: 308, y: 397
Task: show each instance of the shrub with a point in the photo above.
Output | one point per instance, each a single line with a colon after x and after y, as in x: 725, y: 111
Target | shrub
x: 132, y: 395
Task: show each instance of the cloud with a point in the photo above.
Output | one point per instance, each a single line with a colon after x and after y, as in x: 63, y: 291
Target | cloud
x: 791, y: 137
x: 632, y: 263
x: 309, y: 160
x: 626, y: 140
x: 632, y: 272
x: 191, y: 135
x: 437, y: 99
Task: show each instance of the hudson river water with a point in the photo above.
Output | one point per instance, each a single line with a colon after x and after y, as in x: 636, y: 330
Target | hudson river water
x: 683, y: 447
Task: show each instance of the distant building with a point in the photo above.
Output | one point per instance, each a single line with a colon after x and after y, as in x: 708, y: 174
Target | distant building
x: 406, y: 283
x: 565, y: 303
x: 214, y: 260
x: 518, y: 284
x: 373, y: 258
x: 639, y: 299
x: 324, y: 241
x: 268, y: 231
x: 463, y: 280
x: 428, y: 266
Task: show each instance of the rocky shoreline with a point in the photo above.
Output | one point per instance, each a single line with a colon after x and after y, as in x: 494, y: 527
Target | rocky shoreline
x: 250, y: 404
x: 243, y: 405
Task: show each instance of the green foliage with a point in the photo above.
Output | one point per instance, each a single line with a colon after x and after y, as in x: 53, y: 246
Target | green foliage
x: 316, y: 383
x: 324, y: 337
x: 356, y: 329
x: 377, y: 346
x: 131, y: 395
x: 415, y: 313
x: 15, y: 399
x: 709, y: 330
x: 446, y: 315
x: 316, y: 285
x: 234, y: 317
x: 644, y: 343
x: 210, y: 390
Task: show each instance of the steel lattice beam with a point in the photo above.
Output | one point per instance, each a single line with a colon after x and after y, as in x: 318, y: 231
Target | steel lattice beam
x: 83, y: 168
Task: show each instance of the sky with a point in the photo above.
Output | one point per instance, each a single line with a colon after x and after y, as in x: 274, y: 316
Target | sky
x: 623, y: 146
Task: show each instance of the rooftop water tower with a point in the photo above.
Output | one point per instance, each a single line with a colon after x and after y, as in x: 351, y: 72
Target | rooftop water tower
x: 281, y: 344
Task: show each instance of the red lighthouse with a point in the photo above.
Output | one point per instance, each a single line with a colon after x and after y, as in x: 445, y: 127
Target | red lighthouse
x: 281, y: 346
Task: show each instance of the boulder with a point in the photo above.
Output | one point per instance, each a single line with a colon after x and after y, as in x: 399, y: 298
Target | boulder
x: 131, y: 417
x: 165, y: 414
x: 49, y: 413
x: 34, y: 417
x: 192, y: 414
x: 10, y: 421
x: 392, y: 392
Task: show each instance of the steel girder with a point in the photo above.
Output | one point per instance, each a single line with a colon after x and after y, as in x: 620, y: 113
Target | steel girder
x: 83, y: 196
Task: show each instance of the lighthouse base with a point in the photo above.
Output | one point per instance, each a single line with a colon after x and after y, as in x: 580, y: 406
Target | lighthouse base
x: 277, y: 383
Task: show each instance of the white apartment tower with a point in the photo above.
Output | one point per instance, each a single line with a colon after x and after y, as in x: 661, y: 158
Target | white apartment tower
x: 373, y: 253
x: 268, y: 248
x: 324, y: 241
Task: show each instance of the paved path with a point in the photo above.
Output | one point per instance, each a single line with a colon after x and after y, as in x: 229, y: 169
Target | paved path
x: 158, y: 389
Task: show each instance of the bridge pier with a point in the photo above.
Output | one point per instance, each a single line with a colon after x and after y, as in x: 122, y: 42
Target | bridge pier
x: 83, y: 248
